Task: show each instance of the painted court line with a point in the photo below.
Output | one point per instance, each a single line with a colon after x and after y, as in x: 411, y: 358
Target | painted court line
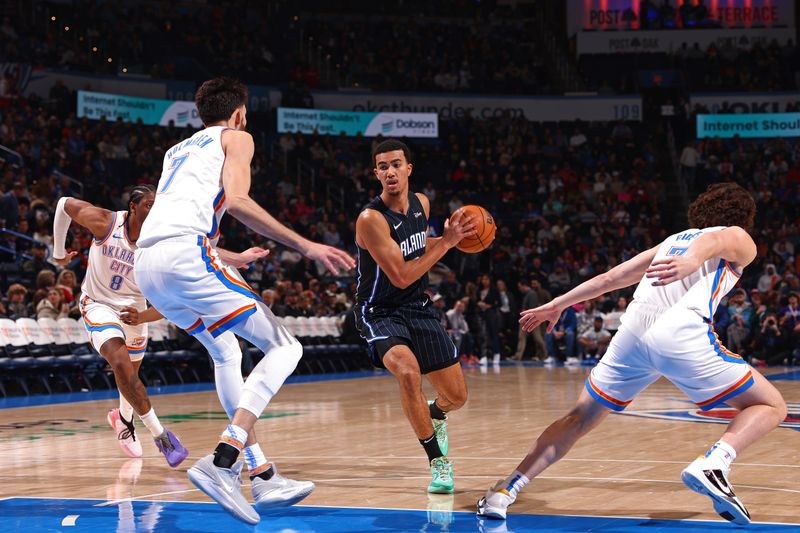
x: 70, y: 520
x: 142, y: 497
x: 412, y: 457
x: 614, y: 517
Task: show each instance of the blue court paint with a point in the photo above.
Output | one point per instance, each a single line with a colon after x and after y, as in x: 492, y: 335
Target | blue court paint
x: 70, y: 397
x: 789, y: 375
x: 40, y: 514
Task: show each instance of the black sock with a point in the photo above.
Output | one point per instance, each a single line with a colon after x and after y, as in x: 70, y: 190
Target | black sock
x: 266, y: 474
x: 431, y: 446
x: 436, y: 411
x: 225, y: 455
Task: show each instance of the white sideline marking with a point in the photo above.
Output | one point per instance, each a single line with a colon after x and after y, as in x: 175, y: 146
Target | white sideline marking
x: 70, y: 520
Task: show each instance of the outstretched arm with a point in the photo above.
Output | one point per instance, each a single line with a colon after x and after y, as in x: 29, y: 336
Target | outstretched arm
x: 238, y: 147
x: 95, y: 219
x: 242, y: 259
x: 732, y: 244
x: 622, y: 275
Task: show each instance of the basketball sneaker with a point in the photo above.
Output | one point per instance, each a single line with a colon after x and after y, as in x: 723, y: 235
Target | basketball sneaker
x: 278, y: 491
x: 440, y: 430
x: 441, y: 476
x: 126, y: 434
x: 495, y: 502
x: 223, y: 485
x: 171, y: 447
x: 703, y: 478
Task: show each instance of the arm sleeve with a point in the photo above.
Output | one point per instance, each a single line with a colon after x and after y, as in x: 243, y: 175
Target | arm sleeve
x: 60, y: 226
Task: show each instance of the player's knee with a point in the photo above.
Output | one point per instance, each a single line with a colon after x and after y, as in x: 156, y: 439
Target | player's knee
x: 458, y: 398
x: 409, y: 378
x: 780, y: 409
x: 294, y: 351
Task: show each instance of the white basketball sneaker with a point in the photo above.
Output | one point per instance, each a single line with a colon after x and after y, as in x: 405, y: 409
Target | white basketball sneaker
x: 495, y: 502
x: 222, y: 485
x: 126, y: 434
x: 279, y: 491
x: 703, y: 478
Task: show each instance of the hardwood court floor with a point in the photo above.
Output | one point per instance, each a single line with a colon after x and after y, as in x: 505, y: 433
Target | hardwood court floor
x: 351, y: 438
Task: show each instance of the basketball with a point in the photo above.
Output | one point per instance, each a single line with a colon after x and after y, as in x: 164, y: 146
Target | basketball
x: 485, y: 229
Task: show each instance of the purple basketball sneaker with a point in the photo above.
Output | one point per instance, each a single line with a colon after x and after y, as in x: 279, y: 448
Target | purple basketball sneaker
x: 171, y: 447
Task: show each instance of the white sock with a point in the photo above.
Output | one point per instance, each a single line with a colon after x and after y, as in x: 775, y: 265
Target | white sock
x: 235, y: 436
x: 721, y: 455
x: 514, y: 483
x: 125, y: 409
x: 150, y: 421
x: 256, y: 462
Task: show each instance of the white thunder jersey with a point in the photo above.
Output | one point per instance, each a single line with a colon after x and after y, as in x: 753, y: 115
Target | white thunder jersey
x: 700, y: 292
x: 109, y: 275
x: 192, y: 201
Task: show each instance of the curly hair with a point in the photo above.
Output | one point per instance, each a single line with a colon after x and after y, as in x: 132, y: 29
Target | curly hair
x: 723, y: 204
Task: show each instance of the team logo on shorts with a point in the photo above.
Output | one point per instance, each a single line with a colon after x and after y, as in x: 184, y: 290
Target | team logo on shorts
x: 138, y: 341
x: 718, y: 415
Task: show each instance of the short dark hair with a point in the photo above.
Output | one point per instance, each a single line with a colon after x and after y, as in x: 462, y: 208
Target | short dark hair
x: 723, y: 204
x: 217, y: 99
x: 390, y: 145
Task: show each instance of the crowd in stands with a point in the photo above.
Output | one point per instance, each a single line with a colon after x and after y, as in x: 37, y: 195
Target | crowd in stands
x: 495, y: 56
x: 763, y: 67
x: 571, y: 199
x: 486, y: 49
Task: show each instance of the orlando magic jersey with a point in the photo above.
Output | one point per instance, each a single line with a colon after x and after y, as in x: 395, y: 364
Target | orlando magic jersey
x: 409, y: 231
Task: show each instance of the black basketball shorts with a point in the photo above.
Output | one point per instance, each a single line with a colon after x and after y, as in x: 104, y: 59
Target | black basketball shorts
x: 413, y: 325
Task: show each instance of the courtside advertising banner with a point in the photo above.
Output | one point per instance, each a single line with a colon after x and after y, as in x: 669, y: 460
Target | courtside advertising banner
x: 150, y: 111
x: 352, y: 123
x: 756, y: 125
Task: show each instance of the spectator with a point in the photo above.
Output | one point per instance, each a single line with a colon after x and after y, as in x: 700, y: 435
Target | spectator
x: 16, y: 303
x: 741, y: 313
x: 69, y: 285
x: 594, y: 341
x: 489, y: 304
x: 561, y: 341
x: 611, y: 319
x: 53, y: 306
x: 530, y: 300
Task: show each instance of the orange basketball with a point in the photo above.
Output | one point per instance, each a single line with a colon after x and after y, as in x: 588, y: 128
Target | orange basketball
x: 484, y: 229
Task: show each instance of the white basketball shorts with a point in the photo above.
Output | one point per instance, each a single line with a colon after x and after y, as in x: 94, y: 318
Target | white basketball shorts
x: 103, y: 323
x: 184, y: 278
x: 678, y: 345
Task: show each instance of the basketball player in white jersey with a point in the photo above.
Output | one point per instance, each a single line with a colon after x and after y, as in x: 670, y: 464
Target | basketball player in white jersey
x: 667, y: 331
x: 108, y: 287
x: 183, y: 276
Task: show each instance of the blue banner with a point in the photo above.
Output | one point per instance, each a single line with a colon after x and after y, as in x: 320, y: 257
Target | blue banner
x: 756, y: 125
x: 352, y: 123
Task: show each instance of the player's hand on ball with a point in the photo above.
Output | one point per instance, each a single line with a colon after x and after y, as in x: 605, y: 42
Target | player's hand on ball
x: 129, y: 315
x: 333, y: 258
x: 670, y: 269
x: 457, y: 227
x: 531, y: 318
x: 243, y: 259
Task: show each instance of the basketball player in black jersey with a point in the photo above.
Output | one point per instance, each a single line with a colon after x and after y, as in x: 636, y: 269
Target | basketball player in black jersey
x: 393, y: 312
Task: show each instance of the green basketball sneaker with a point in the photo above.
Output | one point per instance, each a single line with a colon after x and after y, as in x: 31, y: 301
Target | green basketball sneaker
x: 440, y: 430
x: 442, y: 476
